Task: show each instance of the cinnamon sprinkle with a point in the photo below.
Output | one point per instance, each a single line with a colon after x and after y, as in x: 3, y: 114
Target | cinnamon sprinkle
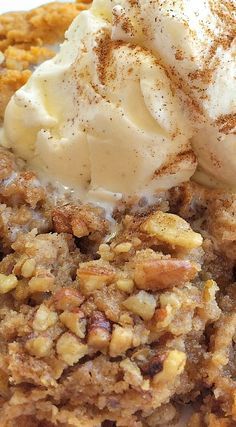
x: 175, y: 163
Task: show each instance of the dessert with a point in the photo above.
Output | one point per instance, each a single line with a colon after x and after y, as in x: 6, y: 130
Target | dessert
x: 76, y: 119
x: 120, y: 312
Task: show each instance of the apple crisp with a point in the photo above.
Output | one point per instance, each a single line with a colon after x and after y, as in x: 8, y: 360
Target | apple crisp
x: 120, y: 322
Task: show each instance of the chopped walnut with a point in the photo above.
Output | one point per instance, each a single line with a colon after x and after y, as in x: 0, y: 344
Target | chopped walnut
x: 171, y: 229
x: 99, y: 331
x: 67, y: 299
x: 7, y: 283
x: 121, y: 340
x: 132, y: 374
x: 75, y: 322
x: 162, y: 318
x: 154, y: 365
x: 94, y: 275
x: 28, y: 268
x: 143, y: 304
x: 44, y: 318
x: 125, y: 285
x: 210, y: 310
x: 173, y: 366
x: 79, y: 220
x: 122, y: 248
x: 209, y: 290
x: 40, y: 346
x: 105, y: 252
x: 21, y: 292
x: 41, y: 284
x: 70, y: 349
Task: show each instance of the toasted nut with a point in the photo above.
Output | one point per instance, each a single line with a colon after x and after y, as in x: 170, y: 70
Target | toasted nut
x: 154, y: 365
x: 163, y: 273
x: 79, y: 227
x: 143, y: 304
x: 125, y: 285
x: 121, y: 340
x: 209, y: 290
x: 94, y: 276
x: 173, y: 366
x: 67, y: 219
x: 126, y: 319
x: 123, y: 248
x: 21, y: 292
x: 44, y: 318
x: 162, y: 318
x: 99, y: 331
x: 141, y: 335
x: 76, y: 322
x: 132, y: 373
x: 171, y: 299
x: 70, y: 348
x: 41, y: 284
x: 40, y: 346
x: 18, y: 265
x: 210, y: 309
x: 67, y: 299
x: 105, y: 252
x: 28, y: 268
x: 7, y: 283
x: 79, y: 220
x: 171, y: 229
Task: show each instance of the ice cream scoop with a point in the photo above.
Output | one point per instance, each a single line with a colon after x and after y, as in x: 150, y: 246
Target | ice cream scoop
x: 132, y: 97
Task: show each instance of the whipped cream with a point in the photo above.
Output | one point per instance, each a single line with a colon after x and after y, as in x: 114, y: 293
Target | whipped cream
x: 136, y: 92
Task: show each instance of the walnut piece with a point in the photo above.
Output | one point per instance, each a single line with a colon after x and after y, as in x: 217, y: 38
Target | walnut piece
x: 121, y: 340
x: 67, y: 299
x: 70, y: 349
x: 7, y: 283
x: 94, y: 275
x: 44, y: 318
x: 172, y: 229
x: 143, y: 304
x: 75, y: 322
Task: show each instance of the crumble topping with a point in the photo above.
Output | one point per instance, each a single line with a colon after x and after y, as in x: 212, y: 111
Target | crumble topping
x: 102, y: 326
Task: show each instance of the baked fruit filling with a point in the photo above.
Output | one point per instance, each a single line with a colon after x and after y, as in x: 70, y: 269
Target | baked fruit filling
x: 124, y: 321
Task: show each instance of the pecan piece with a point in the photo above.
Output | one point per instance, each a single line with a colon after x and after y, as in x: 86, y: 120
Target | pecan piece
x: 154, y: 365
x: 94, y: 275
x: 99, y: 331
x: 79, y: 220
x: 67, y: 299
x: 75, y: 321
x: 172, y: 230
x: 158, y: 274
